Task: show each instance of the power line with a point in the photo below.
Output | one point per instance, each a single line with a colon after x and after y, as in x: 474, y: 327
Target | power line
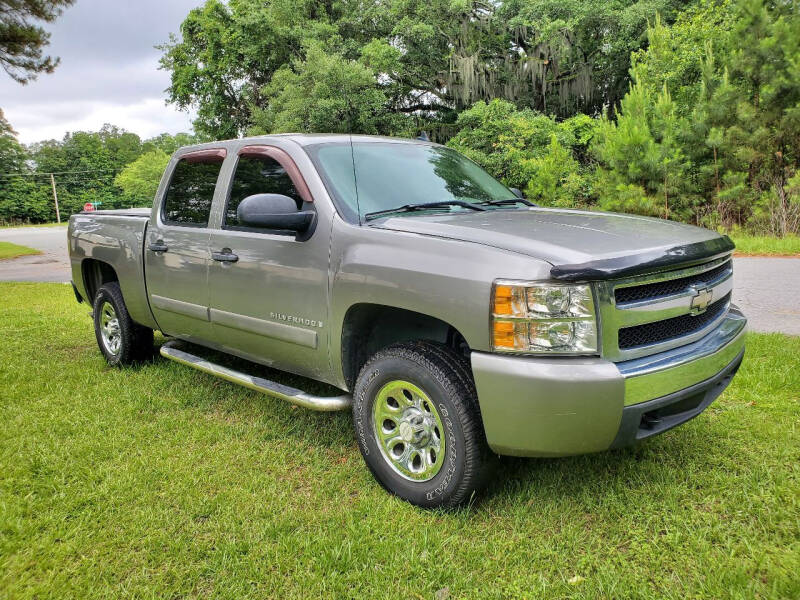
x: 47, y: 174
x: 108, y: 179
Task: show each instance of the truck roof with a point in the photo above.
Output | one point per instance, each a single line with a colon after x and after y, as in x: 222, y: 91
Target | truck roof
x: 306, y: 139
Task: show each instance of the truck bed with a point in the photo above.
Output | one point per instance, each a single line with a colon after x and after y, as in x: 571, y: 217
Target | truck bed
x: 121, y: 212
x: 115, y: 238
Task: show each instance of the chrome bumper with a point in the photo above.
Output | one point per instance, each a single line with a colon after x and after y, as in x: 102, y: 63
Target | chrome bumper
x: 563, y: 406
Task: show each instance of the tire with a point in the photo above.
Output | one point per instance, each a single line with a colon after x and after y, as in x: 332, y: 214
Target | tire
x: 418, y: 424
x: 121, y: 341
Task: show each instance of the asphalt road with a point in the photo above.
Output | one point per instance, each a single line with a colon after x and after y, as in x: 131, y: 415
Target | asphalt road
x: 52, y: 265
x: 766, y: 289
x: 768, y: 292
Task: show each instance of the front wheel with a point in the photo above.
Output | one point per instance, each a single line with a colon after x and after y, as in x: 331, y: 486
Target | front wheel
x: 419, y: 429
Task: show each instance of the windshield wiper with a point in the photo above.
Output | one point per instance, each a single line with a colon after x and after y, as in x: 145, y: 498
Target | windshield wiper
x: 422, y: 206
x: 508, y: 201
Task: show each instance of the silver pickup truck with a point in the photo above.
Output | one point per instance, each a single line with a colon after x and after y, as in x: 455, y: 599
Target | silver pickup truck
x: 457, y: 318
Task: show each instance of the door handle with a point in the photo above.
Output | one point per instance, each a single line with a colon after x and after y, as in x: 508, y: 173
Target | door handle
x: 158, y: 246
x: 225, y: 256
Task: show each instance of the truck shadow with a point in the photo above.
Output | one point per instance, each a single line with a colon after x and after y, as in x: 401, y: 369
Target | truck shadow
x: 315, y: 429
x: 620, y: 473
x: 610, y: 478
x: 284, y: 378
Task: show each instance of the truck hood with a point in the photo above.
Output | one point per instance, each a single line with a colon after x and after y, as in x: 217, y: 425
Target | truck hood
x: 579, y: 244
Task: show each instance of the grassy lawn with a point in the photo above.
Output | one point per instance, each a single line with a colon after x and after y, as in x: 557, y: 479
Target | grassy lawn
x: 9, y: 250
x: 162, y: 482
x: 763, y: 245
x: 12, y: 225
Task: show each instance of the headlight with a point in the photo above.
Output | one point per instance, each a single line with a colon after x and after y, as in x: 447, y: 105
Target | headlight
x: 543, y: 318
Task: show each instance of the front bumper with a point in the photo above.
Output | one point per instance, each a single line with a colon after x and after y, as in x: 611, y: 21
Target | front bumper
x: 564, y: 406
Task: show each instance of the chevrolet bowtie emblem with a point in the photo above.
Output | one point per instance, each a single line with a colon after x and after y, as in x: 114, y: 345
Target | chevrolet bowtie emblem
x: 701, y: 299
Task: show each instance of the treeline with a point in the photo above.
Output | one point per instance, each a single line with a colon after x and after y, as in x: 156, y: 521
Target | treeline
x: 681, y: 109
x: 112, y: 167
x: 684, y: 109
x: 708, y: 132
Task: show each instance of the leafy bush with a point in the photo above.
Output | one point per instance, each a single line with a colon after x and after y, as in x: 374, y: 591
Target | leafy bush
x: 139, y: 180
x: 727, y: 151
x: 529, y: 150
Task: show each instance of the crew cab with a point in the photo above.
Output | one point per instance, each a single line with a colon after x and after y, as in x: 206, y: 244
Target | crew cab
x: 458, y: 319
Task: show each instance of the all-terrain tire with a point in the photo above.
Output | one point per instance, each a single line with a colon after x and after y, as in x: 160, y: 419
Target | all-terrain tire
x: 121, y: 341
x: 433, y: 373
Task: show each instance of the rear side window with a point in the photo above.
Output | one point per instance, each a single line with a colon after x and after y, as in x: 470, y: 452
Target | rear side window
x: 258, y: 175
x: 189, y: 195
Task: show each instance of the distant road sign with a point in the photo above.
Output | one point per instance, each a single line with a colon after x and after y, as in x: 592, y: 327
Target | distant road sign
x: 88, y: 207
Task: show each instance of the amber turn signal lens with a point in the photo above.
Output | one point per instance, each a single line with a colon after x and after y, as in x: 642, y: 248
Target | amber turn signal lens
x: 503, y: 334
x: 502, y: 300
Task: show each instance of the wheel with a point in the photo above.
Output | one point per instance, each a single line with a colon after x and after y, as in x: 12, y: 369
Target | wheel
x: 121, y: 341
x: 418, y: 425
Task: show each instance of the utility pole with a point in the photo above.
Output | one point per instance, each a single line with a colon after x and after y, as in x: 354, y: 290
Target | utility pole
x: 55, y: 197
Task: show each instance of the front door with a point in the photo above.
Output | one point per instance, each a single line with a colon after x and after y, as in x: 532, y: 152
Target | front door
x: 176, y: 248
x: 269, y: 292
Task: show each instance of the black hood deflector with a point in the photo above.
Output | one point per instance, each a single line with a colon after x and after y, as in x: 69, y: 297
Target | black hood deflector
x: 641, y: 264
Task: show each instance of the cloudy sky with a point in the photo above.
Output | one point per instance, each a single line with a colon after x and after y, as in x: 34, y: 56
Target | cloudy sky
x: 108, y: 72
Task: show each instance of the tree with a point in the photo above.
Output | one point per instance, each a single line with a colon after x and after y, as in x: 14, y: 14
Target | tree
x: 225, y: 55
x: 762, y: 97
x: 169, y: 143
x: 681, y: 56
x: 555, y: 179
x: 139, y: 180
x: 324, y: 92
x: 642, y: 164
x: 512, y: 144
x: 429, y: 59
x: 727, y: 149
x: 21, y: 198
x: 88, y: 163
x: 12, y: 154
x: 22, y: 41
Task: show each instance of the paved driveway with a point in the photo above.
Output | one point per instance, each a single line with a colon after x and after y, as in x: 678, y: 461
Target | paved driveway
x: 52, y: 265
x: 767, y: 289
x: 768, y: 292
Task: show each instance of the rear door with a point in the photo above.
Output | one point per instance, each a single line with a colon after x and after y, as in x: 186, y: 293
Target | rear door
x: 271, y: 304
x: 176, y: 247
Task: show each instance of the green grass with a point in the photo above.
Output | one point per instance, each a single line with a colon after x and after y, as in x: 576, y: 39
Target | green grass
x: 12, y: 225
x: 764, y: 245
x: 162, y: 482
x: 9, y: 250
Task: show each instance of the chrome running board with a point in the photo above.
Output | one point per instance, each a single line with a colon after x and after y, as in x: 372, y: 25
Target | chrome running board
x: 271, y: 388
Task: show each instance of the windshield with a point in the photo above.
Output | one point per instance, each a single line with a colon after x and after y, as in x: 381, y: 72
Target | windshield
x: 390, y: 175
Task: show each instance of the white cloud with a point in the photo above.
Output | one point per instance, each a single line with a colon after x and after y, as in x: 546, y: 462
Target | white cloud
x: 147, y: 118
x: 108, y: 73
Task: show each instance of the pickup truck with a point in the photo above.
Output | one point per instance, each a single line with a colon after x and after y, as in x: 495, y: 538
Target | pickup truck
x: 459, y: 320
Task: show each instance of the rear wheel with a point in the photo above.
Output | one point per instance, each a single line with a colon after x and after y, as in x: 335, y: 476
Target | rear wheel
x: 418, y: 425
x: 121, y: 341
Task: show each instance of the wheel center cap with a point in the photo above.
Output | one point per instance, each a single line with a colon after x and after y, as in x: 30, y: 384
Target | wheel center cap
x: 406, y: 432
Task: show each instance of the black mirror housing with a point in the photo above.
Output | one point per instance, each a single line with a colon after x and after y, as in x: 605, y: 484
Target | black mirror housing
x: 518, y: 193
x: 273, y: 211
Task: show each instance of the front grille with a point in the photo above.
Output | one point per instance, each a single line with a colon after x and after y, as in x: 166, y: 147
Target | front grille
x: 661, y: 331
x: 670, y: 287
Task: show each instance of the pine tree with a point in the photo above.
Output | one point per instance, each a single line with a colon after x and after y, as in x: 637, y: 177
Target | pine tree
x: 22, y: 41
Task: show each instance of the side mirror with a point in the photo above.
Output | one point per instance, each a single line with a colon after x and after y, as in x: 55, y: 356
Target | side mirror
x: 273, y: 211
x: 518, y: 193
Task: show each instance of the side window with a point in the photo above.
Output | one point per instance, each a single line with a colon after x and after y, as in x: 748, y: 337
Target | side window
x: 258, y: 175
x: 190, y: 192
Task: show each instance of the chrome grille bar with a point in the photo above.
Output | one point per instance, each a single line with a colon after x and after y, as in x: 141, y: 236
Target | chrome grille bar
x: 692, y: 291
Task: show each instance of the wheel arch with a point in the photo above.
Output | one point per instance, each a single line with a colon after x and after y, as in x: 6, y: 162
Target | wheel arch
x: 94, y: 274
x: 368, y: 327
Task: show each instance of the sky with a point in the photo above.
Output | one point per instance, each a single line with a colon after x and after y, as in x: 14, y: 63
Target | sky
x: 108, y: 72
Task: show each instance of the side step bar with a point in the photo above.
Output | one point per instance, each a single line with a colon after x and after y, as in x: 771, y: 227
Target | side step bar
x: 284, y: 392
